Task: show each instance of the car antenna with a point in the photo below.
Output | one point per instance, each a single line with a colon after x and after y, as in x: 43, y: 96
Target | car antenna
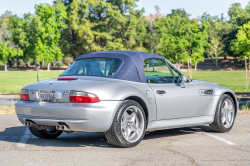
x: 37, y: 74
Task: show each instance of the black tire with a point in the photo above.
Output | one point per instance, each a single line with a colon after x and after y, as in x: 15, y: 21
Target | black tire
x: 217, y: 125
x: 114, y: 134
x: 45, y: 134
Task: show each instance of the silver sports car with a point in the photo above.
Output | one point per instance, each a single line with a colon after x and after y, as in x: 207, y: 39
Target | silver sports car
x: 123, y: 94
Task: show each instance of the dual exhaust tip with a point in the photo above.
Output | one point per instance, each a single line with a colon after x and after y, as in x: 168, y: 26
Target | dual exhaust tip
x: 63, y: 127
x: 28, y: 123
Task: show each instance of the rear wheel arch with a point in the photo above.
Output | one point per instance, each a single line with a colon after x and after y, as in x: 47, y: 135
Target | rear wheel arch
x: 142, y: 103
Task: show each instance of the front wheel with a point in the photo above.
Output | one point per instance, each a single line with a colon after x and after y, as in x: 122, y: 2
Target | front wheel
x: 224, y: 115
x: 129, y: 125
x: 45, y: 134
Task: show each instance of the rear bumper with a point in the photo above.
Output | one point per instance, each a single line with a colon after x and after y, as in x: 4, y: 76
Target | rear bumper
x: 86, y: 117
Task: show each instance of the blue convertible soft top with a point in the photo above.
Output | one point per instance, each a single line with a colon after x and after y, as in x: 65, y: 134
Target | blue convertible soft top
x: 132, y: 68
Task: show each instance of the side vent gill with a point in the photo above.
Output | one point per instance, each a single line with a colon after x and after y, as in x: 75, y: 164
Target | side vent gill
x: 206, y: 92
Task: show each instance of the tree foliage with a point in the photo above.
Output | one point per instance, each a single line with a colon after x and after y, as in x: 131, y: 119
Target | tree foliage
x: 51, y: 18
x: 69, y: 28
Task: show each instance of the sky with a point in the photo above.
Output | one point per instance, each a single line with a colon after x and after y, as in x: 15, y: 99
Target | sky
x: 194, y: 7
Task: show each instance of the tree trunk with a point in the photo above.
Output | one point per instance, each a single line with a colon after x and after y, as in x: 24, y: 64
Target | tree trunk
x: 17, y: 59
x: 191, y: 68
x: 39, y: 65
x: 14, y: 62
x: 28, y: 64
x: 246, y: 71
x: 188, y: 68
x: 178, y: 65
x: 195, y: 66
x: 35, y: 63
x: 74, y: 47
x: 5, y: 66
x: 151, y: 40
x: 48, y: 68
x: 216, y: 56
x: 10, y: 64
x: 216, y: 62
x: 43, y: 62
x: 54, y: 63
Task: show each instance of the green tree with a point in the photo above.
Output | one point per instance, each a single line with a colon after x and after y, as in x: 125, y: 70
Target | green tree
x: 197, y: 38
x: 8, y: 49
x: 173, y: 34
x: 241, y: 46
x: 51, y: 18
x: 97, y: 25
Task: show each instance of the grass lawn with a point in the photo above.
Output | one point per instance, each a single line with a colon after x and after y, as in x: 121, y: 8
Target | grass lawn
x: 235, y: 80
x: 14, y: 81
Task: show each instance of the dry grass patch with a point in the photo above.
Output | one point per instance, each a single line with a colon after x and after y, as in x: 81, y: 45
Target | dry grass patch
x: 7, y: 110
x: 244, y: 111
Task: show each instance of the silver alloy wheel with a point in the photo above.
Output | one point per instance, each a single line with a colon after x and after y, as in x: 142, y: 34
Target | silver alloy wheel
x: 132, y: 124
x: 227, y: 113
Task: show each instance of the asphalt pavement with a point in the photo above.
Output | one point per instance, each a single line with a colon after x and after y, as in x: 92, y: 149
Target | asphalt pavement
x: 196, y: 145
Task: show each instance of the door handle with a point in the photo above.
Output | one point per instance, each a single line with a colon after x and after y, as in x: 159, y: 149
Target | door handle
x: 160, y: 92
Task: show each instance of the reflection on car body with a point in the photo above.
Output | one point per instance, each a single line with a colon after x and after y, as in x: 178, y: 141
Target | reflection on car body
x: 123, y: 94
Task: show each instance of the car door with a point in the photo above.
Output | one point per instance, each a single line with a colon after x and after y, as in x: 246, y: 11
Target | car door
x: 172, y: 101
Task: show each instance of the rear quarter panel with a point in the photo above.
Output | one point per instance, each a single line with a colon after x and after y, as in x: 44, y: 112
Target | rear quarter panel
x: 119, y: 90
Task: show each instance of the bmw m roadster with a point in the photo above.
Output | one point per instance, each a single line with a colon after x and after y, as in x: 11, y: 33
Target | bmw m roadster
x: 123, y: 94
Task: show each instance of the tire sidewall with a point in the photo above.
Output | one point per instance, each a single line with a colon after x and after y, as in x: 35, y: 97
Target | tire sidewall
x: 118, y: 122
x: 225, y: 97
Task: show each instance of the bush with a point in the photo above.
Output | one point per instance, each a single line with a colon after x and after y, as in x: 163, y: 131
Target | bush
x: 68, y: 60
x: 32, y: 62
x: 59, y: 63
x: 21, y: 63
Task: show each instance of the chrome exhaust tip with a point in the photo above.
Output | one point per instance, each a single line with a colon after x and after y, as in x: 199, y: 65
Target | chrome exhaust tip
x: 28, y: 123
x: 25, y: 123
x: 66, y: 128
x: 58, y: 127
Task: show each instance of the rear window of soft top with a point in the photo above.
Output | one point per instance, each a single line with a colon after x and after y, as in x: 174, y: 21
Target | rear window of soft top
x: 94, y: 66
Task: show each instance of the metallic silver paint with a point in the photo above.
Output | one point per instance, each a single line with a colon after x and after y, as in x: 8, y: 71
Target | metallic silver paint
x: 177, y: 102
x: 178, y: 107
x: 95, y: 117
x: 181, y: 122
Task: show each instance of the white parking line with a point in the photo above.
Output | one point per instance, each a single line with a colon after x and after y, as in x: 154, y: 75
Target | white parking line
x: 24, y: 138
x: 217, y: 137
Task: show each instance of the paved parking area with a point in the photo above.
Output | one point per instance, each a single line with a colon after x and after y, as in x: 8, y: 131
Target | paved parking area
x: 195, y: 145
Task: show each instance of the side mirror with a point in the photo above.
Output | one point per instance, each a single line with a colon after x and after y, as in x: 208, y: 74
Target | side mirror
x: 182, y: 80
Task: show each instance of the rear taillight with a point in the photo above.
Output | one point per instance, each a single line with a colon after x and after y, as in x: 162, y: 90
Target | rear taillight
x: 24, y: 95
x: 66, y: 79
x: 83, y: 97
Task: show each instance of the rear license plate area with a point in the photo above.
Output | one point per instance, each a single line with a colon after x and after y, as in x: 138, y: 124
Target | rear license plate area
x: 47, y: 95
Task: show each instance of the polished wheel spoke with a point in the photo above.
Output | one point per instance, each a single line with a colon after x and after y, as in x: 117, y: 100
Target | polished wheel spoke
x: 126, y: 116
x: 132, y: 117
x: 128, y: 132
x: 133, y: 128
x: 223, y: 118
x: 227, y: 113
x: 226, y: 105
x: 132, y: 124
